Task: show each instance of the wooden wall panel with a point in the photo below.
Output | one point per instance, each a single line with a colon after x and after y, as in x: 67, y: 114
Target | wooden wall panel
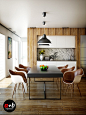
x: 51, y: 31
x: 58, y: 31
x: 46, y: 31
x: 81, y: 31
x: 35, y: 48
x: 66, y: 31
x: 73, y: 31
x: 28, y: 45
x: 42, y: 31
x: 38, y: 31
x: 31, y: 47
x: 32, y: 40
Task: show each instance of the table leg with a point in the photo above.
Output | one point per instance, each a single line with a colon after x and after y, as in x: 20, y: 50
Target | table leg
x: 29, y: 88
x: 60, y: 87
x: 44, y: 90
x: 44, y: 93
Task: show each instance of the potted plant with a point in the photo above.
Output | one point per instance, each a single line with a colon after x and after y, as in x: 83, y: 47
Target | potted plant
x: 8, y: 54
x: 41, y: 54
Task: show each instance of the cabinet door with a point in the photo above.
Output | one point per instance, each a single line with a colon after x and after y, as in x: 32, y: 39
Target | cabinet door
x: 51, y: 63
x: 59, y: 64
x: 53, y: 41
x: 71, y: 64
x: 41, y: 63
x: 60, y: 41
x: 70, y: 41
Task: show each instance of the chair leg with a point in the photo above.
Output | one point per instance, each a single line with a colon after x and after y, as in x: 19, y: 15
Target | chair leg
x: 73, y: 87
x: 14, y: 90
x: 27, y: 86
x: 71, y: 90
x: 23, y: 89
x: 15, y: 87
x: 19, y: 85
x: 79, y: 90
x: 22, y: 86
x: 67, y: 87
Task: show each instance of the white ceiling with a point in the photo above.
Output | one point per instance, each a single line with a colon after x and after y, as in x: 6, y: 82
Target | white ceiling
x: 22, y: 14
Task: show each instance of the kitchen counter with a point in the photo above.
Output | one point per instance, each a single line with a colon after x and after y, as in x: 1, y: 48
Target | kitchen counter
x: 58, y: 63
x: 55, y: 60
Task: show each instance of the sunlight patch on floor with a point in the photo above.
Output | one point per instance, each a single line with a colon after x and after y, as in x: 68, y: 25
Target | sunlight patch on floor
x: 5, y: 82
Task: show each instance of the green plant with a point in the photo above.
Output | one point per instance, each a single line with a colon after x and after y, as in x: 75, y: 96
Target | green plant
x: 8, y: 52
x: 42, y: 52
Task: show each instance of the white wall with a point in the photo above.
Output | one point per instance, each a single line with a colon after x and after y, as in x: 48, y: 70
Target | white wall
x: 24, y: 39
x: 9, y: 62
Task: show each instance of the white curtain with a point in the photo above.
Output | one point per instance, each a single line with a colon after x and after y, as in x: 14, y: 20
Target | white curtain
x: 2, y: 56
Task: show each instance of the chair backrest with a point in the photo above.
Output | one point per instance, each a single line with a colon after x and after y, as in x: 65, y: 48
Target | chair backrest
x: 18, y: 75
x: 25, y: 67
x: 67, y: 69
x: 68, y: 76
x: 73, y: 76
x: 21, y: 69
x: 16, y: 79
x: 77, y: 75
x: 63, y: 67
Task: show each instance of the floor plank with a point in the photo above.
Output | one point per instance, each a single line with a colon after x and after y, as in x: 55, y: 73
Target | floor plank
x: 74, y: 104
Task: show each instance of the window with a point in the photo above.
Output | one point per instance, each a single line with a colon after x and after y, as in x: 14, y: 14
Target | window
x: 15, y: 54
x: 2, y: 56
x: 24, y: 53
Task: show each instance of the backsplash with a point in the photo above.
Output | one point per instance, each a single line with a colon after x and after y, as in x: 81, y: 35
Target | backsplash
x: 62, y: 54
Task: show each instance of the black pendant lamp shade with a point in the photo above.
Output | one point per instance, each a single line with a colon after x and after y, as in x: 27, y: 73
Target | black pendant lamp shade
x: 44, y: 39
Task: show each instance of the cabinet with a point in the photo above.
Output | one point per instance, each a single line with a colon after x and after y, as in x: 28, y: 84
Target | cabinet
x: 59, y: 42
x: 70, y: 41
x: 58, y: 63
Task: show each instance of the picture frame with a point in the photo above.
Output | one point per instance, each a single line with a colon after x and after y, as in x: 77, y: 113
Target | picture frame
x: 9, y: 51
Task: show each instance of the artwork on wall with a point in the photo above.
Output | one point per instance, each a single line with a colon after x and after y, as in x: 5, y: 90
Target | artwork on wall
x: 9, y: 47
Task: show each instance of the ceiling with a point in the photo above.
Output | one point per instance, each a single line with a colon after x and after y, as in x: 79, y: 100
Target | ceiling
x: 22, y: 14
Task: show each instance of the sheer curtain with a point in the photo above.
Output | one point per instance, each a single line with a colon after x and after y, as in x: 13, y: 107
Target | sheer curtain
x: 2, y: 56
x: 24, y: 53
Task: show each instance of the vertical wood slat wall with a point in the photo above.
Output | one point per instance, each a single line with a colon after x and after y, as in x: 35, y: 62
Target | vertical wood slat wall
x: 32, y: 34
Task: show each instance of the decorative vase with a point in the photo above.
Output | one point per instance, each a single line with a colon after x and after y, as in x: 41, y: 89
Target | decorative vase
x: 41, y: 57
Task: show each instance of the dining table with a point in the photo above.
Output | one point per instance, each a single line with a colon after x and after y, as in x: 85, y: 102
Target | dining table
x: 52, y: 72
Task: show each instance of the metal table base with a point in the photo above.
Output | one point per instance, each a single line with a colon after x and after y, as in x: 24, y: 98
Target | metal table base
x: 44, y: 92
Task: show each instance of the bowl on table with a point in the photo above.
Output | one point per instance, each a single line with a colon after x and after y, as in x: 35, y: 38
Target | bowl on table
x: 43, y: 67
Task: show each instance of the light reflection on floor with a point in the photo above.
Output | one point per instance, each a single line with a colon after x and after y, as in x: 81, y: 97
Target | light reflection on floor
x: 5, y: 82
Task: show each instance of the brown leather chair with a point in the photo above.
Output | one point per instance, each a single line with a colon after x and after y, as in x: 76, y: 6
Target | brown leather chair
x: 63, y: 67
x: 67, y: 69
x: 73, y: 77
x: 18, y: 78
x: 21, y: 69
x: 24, y: 67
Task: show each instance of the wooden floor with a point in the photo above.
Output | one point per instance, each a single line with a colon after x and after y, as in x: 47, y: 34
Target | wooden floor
x: 69, y: 104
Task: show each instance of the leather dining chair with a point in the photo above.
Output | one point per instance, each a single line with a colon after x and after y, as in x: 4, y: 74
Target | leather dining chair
x: 73, y: 77
x: 25, y: 71
x: 24, y: 67
x: 67, y: 69
x: 64, y: 70
x: 62, y: 67
x: 18, y: 77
